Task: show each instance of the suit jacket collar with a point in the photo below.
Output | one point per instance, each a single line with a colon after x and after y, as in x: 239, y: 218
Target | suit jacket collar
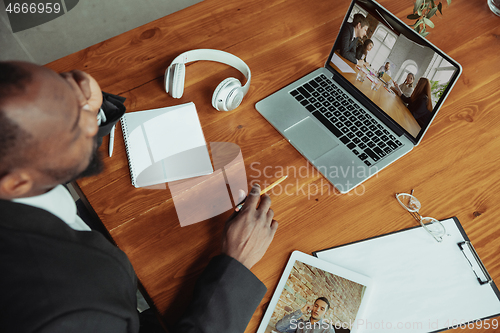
x: 27, y: 218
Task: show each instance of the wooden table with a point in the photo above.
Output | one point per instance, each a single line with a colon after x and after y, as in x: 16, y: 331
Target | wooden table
x: 454, y: 171
x: 383, y: 97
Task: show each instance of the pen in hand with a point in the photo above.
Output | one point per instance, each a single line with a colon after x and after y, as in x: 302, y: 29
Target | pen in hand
x: 270, y: 187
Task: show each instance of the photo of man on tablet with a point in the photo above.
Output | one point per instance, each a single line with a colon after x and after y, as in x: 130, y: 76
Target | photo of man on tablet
x: 293, y: 322
x: 315, y: 297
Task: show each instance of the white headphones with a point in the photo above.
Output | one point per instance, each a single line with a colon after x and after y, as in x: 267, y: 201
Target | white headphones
x: 228, y: 94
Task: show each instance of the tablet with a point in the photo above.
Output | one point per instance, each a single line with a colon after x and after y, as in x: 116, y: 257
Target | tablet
x: 313, y: 293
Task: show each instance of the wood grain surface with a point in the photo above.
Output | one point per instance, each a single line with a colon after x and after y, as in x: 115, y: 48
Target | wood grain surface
x: 454, y: 171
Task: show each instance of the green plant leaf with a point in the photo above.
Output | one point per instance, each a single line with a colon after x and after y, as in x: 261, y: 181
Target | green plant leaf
x: 424, y: 6
x: 417, y: 24
x: 413, y: 17
x: 428, y: 22
x: 423, y: 11
x: 418, y: 3
x: 432, y: 12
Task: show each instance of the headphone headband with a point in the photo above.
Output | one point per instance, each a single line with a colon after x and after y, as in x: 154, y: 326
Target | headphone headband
x: 217, y: 56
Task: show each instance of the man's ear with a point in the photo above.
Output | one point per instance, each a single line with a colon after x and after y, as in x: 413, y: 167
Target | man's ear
x: 16, y: 184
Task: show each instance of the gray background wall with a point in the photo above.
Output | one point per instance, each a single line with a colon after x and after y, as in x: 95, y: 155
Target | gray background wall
x: 403, y: 50
x: 88, y: 23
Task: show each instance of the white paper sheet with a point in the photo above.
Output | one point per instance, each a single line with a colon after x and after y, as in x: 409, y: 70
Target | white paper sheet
x: 173, y: 132
x: 341, y: 64
x: 419, y: 285
x: 165, y: 144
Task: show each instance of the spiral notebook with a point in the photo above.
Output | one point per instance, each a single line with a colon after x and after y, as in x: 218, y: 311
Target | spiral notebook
x: 165, y: 145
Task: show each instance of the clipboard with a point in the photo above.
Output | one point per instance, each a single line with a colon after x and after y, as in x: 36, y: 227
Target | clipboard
x: 420, y: 285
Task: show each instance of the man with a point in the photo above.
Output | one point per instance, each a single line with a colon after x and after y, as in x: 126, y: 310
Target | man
x: 350, y: 36
x: 385, y: 69
x: 57, y: 275
x: 293, y: 323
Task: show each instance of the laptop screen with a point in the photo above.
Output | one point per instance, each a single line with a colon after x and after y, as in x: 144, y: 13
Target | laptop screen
x: 398, y: 71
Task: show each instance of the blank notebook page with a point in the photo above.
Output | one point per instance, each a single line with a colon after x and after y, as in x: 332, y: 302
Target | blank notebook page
x: 165, y: 144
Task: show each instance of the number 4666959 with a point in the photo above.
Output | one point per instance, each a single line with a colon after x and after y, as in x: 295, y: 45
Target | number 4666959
x: 485, y: 323
x: 33, y: 8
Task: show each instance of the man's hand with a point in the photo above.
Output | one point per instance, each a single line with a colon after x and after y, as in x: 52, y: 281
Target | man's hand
x: 249, y: 232
x: 306, y: 309
x: 87, y: 89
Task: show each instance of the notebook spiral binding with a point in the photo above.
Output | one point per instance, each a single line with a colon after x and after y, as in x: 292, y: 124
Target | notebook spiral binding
x: 129, y: 156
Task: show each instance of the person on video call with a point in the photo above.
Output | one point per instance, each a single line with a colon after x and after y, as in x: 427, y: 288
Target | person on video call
x: 59, y: 275
x: 293, y: 323
x: 405, y: 88
x: 350, y: 36
x: 420, y: 102
x: 385, y: 69
x: 363, y: 49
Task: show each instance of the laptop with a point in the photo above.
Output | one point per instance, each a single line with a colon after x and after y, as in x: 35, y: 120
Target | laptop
x: 386, y: 78
x: 346, y: 121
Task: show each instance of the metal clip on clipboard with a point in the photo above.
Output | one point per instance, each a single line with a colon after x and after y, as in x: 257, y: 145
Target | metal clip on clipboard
x: 475, y: 262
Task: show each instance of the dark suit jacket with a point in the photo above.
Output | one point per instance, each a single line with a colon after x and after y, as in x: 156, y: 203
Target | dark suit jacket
x: 55, y: 279
x: 347, y: 45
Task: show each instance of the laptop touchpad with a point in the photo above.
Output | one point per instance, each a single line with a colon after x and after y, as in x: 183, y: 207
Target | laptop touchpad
x: 310, y: 139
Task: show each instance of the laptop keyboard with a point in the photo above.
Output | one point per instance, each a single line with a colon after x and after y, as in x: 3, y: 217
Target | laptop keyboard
x: 345, y: 118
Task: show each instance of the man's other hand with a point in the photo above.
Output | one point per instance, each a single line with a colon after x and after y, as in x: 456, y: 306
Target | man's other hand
x: 249, y: 232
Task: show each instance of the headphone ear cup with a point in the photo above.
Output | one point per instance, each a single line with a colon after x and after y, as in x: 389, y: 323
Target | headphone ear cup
x: 176, y: 79
x: 168, y: 86
x: 228, y: 95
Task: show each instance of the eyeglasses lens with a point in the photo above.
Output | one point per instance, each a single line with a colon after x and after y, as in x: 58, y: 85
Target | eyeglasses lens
x: 434, y: 227
x: 409, y: 202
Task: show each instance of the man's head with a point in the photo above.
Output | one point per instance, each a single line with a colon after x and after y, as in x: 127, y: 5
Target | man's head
x: 360, y: 24
x: 321, y: 305
x: 387, y: 66
x: 47, y: 129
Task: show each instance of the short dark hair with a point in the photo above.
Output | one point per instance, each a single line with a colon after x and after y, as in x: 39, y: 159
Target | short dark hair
x: 324, y: 299
x: 360, y: 18
x: 13, y: 80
